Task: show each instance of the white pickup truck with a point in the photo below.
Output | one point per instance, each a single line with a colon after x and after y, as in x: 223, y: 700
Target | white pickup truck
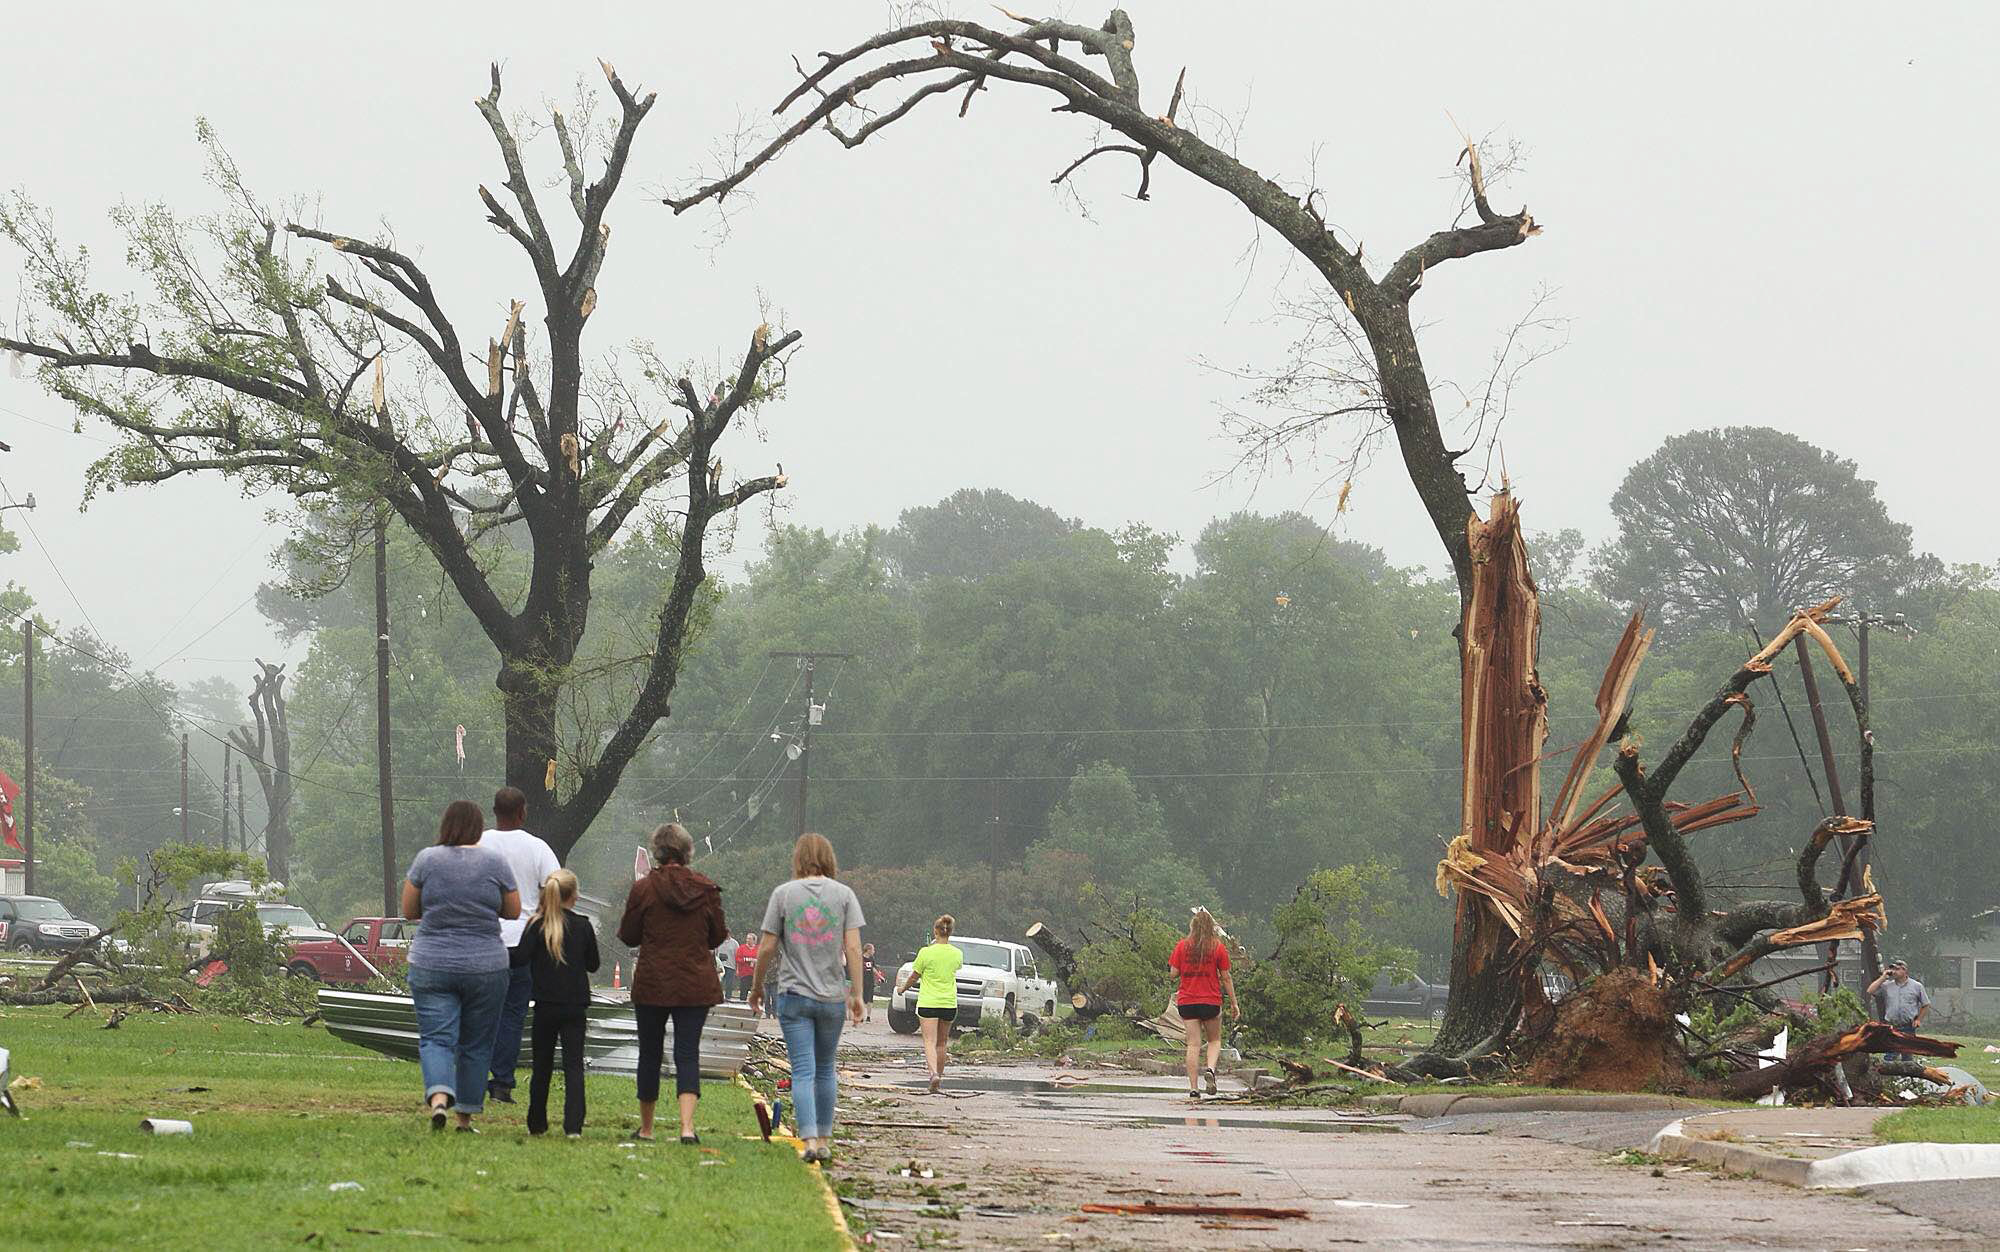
x: 999, y: 980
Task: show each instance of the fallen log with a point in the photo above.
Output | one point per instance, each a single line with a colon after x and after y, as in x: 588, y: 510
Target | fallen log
x: 67, y: 995
x: 1811, y: 1063
x: 1062, y: 957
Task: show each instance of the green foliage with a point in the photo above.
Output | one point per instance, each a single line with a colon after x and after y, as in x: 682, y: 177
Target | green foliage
x: 1130, y: 965
x: 1742, y: 525
x: 1329, y: 950
x: 68, y: 871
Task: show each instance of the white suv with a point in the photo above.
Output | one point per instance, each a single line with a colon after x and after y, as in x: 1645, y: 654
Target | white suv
x: 998, y: 980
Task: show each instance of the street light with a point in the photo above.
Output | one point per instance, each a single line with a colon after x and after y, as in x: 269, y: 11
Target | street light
x: 27, y: 503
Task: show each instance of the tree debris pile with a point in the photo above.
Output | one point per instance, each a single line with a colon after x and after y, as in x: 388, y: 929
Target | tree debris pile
x: 1613, y: 895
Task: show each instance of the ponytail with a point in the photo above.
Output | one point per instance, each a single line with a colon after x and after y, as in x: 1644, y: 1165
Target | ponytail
x: 941, y: 928
x: 558, y: 893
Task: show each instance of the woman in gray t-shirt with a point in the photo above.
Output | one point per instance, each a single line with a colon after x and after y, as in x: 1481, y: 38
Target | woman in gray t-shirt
x: 458, y: 965
x: 812, y: 942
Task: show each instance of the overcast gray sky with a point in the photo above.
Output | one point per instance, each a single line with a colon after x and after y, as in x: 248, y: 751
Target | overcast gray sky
x: 1769, y: 214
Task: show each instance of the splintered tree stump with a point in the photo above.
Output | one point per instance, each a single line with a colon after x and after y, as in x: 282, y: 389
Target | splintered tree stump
x: 1062, y: 957
x: 1344, y: 1021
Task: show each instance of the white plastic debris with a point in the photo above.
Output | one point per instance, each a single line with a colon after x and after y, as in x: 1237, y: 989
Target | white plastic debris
x: 1366, y: 1204
x: 345, y: 1186
x: 166, y: 1126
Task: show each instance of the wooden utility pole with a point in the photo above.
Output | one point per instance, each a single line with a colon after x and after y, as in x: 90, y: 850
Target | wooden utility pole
x: 1863, y: 621
x: 1871, y: 953
x: 28, y: 755
x: 383, y: 772
x: 184, y: 787
x: 242, y: 821
x: 807, y: 661
x: 993, y: 861
x: 225, y: 796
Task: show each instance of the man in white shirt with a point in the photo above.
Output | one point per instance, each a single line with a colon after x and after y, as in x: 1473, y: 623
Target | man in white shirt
x: 531, y: 861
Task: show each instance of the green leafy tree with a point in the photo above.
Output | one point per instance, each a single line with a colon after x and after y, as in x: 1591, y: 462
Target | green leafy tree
x: 972, y: 533
x: 1329, y: 949
x: 1738, y: 526
x: 251, y: 354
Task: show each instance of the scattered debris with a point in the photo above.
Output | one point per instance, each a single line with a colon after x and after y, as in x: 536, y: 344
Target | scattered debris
x: 1366, y: 1204
x: 1152, y: 1208
x: 166, y: 1126
x: 345, y: 1186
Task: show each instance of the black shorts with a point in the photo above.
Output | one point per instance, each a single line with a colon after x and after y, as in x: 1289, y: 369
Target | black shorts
x: 1199, y: 1012
x: 941, y: 1015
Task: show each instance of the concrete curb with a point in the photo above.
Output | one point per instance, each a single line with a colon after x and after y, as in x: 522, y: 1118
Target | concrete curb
x: 1442, y: 1104
x: 1862, y: 1167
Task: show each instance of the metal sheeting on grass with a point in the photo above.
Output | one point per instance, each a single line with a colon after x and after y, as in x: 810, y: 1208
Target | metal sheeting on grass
x: 388, y: 1024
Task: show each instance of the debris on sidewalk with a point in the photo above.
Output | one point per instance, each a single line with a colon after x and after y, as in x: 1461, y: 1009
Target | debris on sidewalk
x: 1150, y: 1208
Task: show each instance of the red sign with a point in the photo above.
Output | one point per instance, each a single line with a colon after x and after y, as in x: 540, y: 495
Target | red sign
x: 8, y: 790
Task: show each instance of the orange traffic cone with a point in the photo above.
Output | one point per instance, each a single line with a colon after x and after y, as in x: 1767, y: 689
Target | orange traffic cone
x: 616, y: 980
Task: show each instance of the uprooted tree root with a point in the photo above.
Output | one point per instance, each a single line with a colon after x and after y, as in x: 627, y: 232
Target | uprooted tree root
x: 1616, y: 1033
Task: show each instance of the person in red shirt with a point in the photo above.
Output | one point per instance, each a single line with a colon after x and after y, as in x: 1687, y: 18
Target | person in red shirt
x: 746, y: 960
x: 1202, y: 961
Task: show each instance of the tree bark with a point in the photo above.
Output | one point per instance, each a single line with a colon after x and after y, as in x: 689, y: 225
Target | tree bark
x: 1505, y: 723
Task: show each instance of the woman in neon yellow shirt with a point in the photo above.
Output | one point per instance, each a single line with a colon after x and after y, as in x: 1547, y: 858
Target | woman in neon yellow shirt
x: 937, y: 996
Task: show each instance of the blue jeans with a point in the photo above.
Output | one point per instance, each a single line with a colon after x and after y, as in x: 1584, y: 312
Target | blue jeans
x: 456, y: 1013
x: 507, y: 1033
x: 812, y: 1037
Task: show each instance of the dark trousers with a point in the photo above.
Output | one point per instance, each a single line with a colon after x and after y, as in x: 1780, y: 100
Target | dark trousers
x: 688, y: 1023
x: 557, y: 1023
x: 507, y: 1033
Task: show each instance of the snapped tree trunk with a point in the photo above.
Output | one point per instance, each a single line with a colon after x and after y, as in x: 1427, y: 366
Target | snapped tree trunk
x: 1504, y: 724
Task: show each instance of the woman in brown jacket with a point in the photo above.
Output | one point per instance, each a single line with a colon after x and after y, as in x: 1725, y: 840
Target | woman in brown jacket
x: 674, y: 918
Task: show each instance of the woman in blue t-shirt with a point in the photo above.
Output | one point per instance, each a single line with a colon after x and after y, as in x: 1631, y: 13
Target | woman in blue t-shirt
x: 458, y: 963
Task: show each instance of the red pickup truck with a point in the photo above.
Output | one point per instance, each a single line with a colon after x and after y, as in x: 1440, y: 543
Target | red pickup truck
x: 383, y: 942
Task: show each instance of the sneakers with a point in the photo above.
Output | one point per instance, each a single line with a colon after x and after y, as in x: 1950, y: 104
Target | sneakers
x: 500, y: 1095
x: 574, y: 1134
x: 1208, y: 1079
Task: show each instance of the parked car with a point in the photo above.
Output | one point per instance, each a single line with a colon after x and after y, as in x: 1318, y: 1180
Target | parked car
x: 998, y: 980
x: 198, y: 920
x: 41, y: 924
x: 1400, y: 993
x: 383, y: 942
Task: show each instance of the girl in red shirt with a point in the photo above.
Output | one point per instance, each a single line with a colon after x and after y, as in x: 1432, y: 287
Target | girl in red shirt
x: 1202, y: 961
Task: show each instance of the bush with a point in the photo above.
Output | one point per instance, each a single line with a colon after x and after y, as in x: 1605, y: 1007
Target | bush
x: 1327, y: 953
x: 1131, y: 967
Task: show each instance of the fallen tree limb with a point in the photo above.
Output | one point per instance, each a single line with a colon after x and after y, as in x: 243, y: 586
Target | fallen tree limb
x: 1810, y: 1064
x: 68, y: 995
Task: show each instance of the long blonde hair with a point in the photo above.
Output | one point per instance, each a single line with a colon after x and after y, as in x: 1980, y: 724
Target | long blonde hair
x: 558, y: 893
x: 1202, y: 936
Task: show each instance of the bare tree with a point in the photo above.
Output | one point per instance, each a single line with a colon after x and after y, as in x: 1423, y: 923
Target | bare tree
x: 948, y: 58
x: 246, y: 360
x: 270, y: 755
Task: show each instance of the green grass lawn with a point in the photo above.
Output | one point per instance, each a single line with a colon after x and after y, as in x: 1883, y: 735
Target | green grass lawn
x: 282, y: 1113
x: 1952, y: 1125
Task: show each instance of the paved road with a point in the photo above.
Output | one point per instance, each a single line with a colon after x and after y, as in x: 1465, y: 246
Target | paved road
x: 1019, y: 1151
